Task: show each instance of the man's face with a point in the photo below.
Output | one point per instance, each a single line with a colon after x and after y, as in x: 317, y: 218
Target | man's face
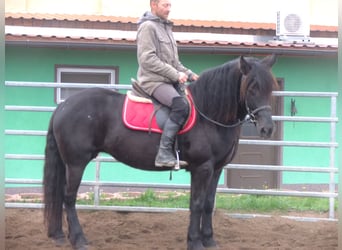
x: 162, y: 9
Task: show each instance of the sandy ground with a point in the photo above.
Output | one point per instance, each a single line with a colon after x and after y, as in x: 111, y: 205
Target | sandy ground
x: 108, y: 230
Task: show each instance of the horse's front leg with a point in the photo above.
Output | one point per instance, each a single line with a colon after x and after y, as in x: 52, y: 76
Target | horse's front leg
x: 207, y: 225
x: 200, y: 179
x: 76, y: 235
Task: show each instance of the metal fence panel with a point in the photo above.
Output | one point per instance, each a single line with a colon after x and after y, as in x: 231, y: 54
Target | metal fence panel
x: 332, y: 144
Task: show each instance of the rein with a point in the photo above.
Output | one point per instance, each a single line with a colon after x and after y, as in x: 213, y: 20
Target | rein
x: 250, y: 117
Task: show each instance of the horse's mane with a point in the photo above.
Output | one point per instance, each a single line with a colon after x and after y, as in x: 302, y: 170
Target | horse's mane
x: 220, y: 91
x: 217, y: 92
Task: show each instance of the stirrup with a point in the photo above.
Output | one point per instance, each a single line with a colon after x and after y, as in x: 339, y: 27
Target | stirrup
x: 179, y: 163
x: 176, y: 165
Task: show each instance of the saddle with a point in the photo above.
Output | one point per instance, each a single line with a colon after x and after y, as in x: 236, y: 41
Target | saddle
x: 141, y: 112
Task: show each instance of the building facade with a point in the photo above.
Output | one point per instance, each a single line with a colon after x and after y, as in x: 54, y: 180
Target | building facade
x: 48, y: 48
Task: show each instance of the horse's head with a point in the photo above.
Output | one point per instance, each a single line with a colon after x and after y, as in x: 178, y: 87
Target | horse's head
x: 256, y: 90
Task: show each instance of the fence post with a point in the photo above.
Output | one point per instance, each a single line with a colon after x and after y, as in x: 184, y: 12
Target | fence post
x: 97, y: 180
x: 332, y: 158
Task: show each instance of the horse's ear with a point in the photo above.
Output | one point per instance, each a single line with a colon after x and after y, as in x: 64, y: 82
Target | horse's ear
x: 269, y: 60
x: 244, y: 66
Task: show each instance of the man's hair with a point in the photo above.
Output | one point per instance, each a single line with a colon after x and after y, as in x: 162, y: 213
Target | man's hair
x: 154, y: 1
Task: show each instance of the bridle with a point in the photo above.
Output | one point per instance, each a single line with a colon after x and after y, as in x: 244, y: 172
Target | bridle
x: 250, y: 117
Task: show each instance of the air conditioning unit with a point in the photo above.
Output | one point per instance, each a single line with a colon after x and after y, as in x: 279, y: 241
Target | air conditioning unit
x: 292, y: 24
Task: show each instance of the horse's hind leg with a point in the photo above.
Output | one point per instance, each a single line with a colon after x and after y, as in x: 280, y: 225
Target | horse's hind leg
x: 76, y: 235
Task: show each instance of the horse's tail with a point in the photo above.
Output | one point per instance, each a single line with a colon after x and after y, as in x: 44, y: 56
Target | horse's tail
x: 54, y: 179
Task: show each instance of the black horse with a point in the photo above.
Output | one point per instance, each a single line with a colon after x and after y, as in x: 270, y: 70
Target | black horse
x: 91, y: 122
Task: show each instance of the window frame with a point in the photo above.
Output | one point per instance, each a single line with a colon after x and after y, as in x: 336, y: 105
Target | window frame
x: 60, y: 68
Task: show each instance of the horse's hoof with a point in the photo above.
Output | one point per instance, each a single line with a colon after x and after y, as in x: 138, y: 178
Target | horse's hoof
x: 80, y: 244
x: 60, y: 241
x: 85, y: 247
x: 196, y: 246
x: 210, y: 243
x: 212, y: 247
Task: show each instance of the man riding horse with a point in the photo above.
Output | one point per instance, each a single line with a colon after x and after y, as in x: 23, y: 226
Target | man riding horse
x: 159, y: 69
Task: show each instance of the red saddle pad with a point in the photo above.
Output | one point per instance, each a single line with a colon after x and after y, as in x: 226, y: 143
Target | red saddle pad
x: 139, y: 115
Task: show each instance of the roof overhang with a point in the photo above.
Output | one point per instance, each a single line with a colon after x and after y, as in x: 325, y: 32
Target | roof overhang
x: 188, y: 42
x: 193, y: 36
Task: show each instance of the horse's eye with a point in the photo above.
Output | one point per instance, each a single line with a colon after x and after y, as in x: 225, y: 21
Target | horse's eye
x: 254, y: 88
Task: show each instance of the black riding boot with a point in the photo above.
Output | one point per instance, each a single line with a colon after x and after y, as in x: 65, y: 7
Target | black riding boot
x: 166, y: 155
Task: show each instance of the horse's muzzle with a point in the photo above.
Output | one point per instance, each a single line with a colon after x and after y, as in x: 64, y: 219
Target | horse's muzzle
x: 266, y: 131
x: 265, y: 126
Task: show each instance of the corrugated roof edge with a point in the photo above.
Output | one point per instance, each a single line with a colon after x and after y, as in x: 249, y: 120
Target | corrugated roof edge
x: 178, y: 22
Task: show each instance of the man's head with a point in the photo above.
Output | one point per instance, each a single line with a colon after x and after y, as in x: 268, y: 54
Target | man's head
x: 161, y: 8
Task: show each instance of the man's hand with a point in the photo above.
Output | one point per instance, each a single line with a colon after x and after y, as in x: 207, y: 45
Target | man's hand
x: 182, y: 77
x: 193, y: 77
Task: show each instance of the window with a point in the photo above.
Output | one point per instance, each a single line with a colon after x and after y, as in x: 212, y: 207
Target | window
x: 74, y: 74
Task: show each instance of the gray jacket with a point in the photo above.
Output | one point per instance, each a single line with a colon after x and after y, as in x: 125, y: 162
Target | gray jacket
x: 157, y: 53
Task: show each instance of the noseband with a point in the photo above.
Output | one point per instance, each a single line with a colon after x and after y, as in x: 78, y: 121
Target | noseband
x: 250, y: 117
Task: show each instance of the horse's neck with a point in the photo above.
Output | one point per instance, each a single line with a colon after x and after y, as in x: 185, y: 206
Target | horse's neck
x: 238, y: 115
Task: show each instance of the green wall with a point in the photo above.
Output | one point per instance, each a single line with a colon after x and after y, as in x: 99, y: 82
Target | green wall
x: 38, y: 64
x: 312, y: 75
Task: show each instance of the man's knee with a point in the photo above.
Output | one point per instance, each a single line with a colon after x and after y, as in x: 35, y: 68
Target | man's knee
x: 179, y: 110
